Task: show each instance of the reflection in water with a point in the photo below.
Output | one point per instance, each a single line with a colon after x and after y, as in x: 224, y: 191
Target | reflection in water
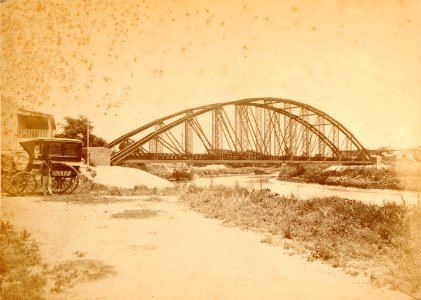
x: 304, y: 190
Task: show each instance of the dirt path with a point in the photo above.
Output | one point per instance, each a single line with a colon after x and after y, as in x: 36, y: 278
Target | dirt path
x: 177, y: 254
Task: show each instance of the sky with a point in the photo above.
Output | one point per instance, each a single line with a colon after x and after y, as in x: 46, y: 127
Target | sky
x: 126, y: 63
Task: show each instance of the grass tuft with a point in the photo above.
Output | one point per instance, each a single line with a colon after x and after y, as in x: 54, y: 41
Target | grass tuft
x: 87, y: 185
x: 71, y: 272
x: 135, y: 214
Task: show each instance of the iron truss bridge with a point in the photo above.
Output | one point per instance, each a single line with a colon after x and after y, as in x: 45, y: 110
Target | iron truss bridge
x: 259, y: 130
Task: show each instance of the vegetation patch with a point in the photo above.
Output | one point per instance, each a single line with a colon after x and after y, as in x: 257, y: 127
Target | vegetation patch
x: 86, y: 199
x: 22, y: 273
x: 87, y: 185
x: 92, y: 193
x: 71, y: 272
x: 397, y: 177
x: 380, y: 242
x: 185, y: 175
x: 153, y: 199
x: 136, y: 214
x: 181, y: 175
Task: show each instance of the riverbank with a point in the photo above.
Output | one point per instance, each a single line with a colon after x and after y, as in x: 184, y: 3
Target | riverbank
x: 399, y: 176
x: 380, y: 243
x: 154, y: 247
x: 75, y: 251
x: 308, y: 190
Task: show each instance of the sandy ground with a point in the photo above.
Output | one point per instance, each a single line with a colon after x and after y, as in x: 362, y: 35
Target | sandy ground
x: 124, y: 177
x: 177, y: 254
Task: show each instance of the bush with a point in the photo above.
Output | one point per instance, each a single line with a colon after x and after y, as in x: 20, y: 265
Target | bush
x: 301, y: 171
x: 359, y: 177
x: 22, y: 274
x: 287, y: 172
x: 71, y: 272
x: 181, y: 175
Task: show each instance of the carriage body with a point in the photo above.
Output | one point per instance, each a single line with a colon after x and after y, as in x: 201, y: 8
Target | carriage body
x: 65, y: 155
x: 59, y: 150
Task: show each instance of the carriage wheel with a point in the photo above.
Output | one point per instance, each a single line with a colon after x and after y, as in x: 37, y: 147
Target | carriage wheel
x: 73, y: 184
x: 6, y: 182
x: 23, y: 183
x: 64, y: 179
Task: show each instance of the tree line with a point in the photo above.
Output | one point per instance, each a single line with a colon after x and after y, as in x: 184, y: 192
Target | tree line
x: 77, y: 128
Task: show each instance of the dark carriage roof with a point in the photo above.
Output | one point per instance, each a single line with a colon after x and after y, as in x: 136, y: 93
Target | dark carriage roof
x: 28, y: 146
x: 52, y: 140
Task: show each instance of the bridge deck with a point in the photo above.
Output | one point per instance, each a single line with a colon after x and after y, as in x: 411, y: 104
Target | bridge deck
x: 237, y: 161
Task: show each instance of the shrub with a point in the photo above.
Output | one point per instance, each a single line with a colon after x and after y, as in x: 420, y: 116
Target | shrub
x: 359, y: 177
x: 181, y: 175
x: 71, y: 272
x: 21, y: 272
x: 287, y: 172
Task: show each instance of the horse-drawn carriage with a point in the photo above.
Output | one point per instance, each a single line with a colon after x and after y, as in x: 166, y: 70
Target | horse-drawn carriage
x: 65, y: 155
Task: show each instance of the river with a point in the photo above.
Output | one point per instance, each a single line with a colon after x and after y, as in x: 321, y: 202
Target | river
x: 308, y: 190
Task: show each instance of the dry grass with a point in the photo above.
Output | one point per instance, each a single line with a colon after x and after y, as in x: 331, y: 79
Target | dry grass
x: 22, y: 273
x: 380, y: 242
x: 86, y: 199
x: 396, y: 176
x: 153, y: 199
x: 136, y: 214
x: 87, y: 186
x: 23, y: 276
x: 71, y: 272
x: 110, y: 195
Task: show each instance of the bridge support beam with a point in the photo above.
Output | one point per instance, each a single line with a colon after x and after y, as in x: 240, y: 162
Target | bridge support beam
x: 278, y: 138
x: 152, y: 146
x: 217, y: 133
x: 290, y: 132
x: 335, y: 136
x: 259, y: 131
x: 320, y: 123
x: 239, y: 127
x: 242, y: 130
x: 348, y: 148
x: 188, y: 138
x: 155, y: 146
x: 305, y: 138
x: 268, y: 128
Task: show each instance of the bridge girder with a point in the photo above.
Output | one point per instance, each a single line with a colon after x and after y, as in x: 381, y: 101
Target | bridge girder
x: 247, y: 130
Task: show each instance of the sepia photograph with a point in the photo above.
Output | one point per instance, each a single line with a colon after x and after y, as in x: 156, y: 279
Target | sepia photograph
x: 215, y: 150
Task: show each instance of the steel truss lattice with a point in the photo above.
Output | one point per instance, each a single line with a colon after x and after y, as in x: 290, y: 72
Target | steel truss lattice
x: 244, y: 130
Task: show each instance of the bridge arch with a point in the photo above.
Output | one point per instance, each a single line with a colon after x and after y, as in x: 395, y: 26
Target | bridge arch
x: 249, y: 129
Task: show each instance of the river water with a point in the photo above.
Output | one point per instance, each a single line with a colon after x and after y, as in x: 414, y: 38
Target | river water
x: 307, y: 190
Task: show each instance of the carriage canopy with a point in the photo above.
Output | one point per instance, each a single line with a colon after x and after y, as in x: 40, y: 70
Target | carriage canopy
x: 60, y: 149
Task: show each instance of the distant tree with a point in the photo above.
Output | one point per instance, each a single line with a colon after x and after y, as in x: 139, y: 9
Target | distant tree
x: 383, y: 150
x: 76, y: 128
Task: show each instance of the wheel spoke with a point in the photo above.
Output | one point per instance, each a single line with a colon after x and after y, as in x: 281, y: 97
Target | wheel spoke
x: 64, y: 178
x: 74, y: 182
x: 23, y: 183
